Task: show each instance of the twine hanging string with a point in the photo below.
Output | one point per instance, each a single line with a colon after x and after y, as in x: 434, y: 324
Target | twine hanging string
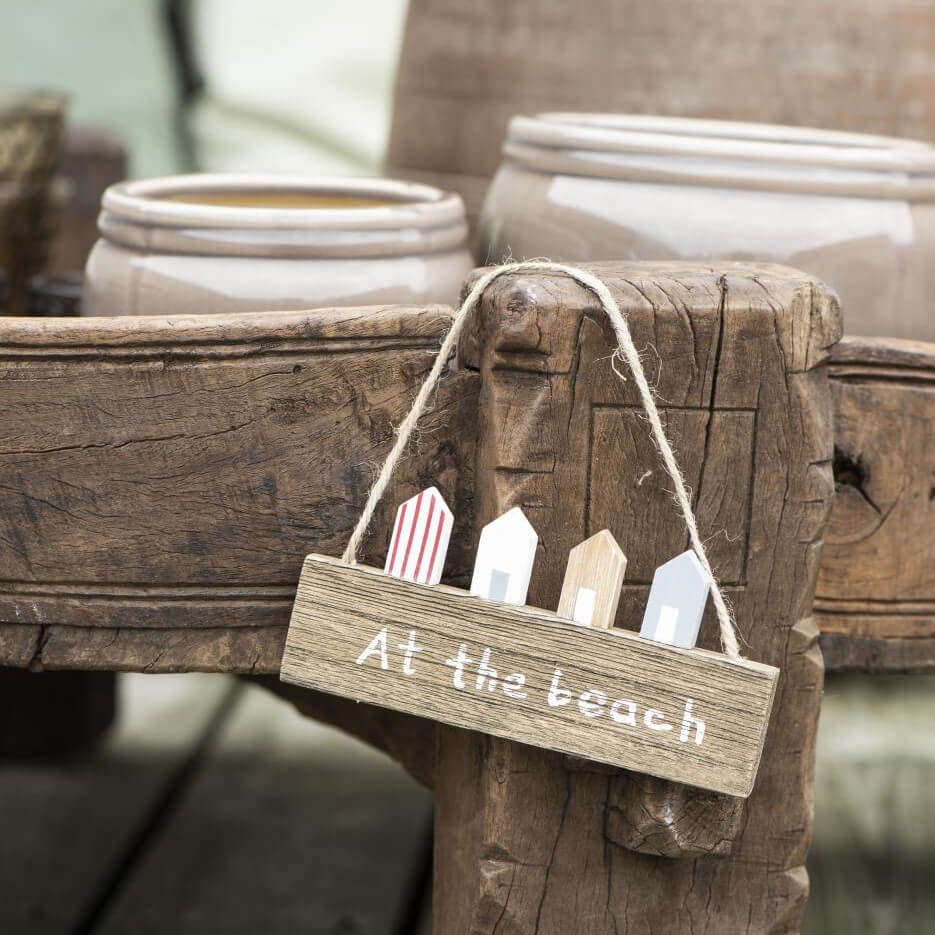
x: 625, y: 349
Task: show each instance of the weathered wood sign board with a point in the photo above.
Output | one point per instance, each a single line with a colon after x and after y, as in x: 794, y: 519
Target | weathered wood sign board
x: 529, y: 675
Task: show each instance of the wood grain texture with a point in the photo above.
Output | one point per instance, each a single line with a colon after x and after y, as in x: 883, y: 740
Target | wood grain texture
x: 874, y: 654
x: 467, y: 66
x: 597, y: 564
x: 172, y: 472
x: 875, y: 597
x: 157, y: 376
x: 737, y: 357
x: 627, y: 701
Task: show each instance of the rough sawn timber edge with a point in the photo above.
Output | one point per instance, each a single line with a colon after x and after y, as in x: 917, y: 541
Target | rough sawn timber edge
x: 106, y: 624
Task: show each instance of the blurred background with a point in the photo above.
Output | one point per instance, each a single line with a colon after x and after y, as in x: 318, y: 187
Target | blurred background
x: 209, y: 805
x: 218, y: 85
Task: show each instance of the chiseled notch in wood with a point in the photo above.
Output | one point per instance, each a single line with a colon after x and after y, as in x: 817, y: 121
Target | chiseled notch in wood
x: 420, y: 538
x: 676, y: 601
x: 593, y: 577
x: 529, y: 675
x: 505, y: 556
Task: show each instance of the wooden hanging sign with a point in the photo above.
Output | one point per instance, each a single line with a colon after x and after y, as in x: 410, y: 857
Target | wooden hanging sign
x: 565, y: 681
x: 529, y: 675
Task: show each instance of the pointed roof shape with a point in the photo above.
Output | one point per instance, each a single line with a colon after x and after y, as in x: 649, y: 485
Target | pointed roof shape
x: 602, y: 542
x: 593, y: 577
x: 505, y: 555
x: 677, y: 600
x: 420, y: 538
x: 432, y: 493
x: 511, y: 523
x: 682, y: 568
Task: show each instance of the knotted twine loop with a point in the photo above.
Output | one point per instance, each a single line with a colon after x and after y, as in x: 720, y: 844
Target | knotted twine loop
x: 626, y: 349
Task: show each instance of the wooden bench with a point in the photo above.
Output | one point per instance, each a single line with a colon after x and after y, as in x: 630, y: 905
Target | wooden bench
x: 163, y: 478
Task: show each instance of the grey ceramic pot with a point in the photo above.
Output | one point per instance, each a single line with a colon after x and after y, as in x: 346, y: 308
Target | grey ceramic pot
x: 857, y: 211
x: 227, y: 243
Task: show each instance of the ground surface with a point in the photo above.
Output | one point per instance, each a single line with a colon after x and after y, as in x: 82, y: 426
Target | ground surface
x: 872, y: 865
x: 214, y: 808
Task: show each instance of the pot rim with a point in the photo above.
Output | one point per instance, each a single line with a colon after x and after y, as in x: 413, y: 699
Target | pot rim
x: 421, y: 218
x: 703, y: 151
x: 144, y: 201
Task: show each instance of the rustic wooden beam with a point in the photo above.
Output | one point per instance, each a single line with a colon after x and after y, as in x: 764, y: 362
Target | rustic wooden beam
x: 88, y: 458
x: 875, y: 598
x: 737, y: 357
x: 162, y: 479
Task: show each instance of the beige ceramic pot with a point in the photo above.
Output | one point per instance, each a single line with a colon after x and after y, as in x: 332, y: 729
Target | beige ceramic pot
x: 227, y: 243
x: 857, y: 211
x: 466, y: 67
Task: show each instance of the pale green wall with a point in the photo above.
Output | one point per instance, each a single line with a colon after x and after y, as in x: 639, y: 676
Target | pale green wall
x: 111, y: 57
x: 290, y: 86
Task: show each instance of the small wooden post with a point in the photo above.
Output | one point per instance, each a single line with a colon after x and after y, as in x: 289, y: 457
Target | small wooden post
x: 505, y: 555
x: 593, y: 577
x: 420, y: 538
x: 676, y: 601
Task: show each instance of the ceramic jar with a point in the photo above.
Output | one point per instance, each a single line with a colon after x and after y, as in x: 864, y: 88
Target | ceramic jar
x: 857, y: 211
x: 228, y: 243
x: 467, y: 67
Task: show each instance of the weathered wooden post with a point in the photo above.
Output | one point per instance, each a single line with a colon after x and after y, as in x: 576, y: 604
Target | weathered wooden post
x: 528, y: 841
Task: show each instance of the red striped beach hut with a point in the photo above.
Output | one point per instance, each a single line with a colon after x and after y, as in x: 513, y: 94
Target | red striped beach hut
x: 420, y: 538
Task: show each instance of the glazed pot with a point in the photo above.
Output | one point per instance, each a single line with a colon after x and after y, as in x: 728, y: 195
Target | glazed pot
x: 467, y: 67
x: 857, y: 211
x: 228, y: 243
